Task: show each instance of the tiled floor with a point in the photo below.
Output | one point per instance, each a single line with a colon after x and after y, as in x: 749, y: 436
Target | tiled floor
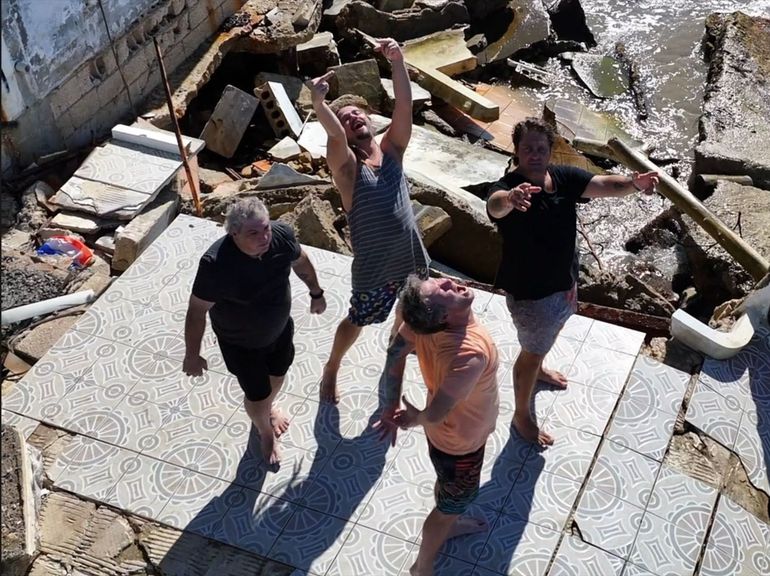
x: 179, y: 449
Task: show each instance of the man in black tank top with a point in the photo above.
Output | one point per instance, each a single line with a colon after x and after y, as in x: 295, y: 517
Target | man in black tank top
x: 534, y: 207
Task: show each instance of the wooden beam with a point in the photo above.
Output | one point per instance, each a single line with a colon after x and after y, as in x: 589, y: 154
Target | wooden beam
x: 744, y: 254
x: 652, y: 325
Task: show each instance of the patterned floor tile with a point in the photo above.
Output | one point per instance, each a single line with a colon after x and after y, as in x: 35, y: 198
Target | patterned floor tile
x: 183, y: 441
x: 133, y: 423
x: 253, y: 521
x: 213, y: 397
x: 80, y: 410
x: 542, y: 498
x: 505, y: 442
x: 503, y: 334
x: 607, y: 522
x: 468, y: 548
x: 310, y: 541
x: 576, y: 558
x: 38, y: 393
x: 24, y: 425
x: 752, y: 447
x: 634, y: 570
x: 95, y: 469
x: 583, y: 407
x: 517, y: 547
x: 665, y: 548
x: 127, y: 322
x: 368, y: 450
x: 642, y: 428
x: 682, y: 500
x: 197, y: 503
x: 657, y: 385
x: 614, y: 337
x: 497, y: 478
x: 624, y: 474
x: 570, y: 455
x: 577, y: 327
x: 412, y: 463
x: 562, y: 355
x: 752, y: 537
x: 601, y: 368
x: 159, y: 346
x: 223, y: 457
x: 716, y: 415
x: 387, y: 513
x: 168, y: 385
x: 368, y: 551
x: 146, y: 486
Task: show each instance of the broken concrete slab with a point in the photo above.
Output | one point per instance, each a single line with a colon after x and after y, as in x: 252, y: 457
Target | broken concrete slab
x: 230, y: 119
x: 156, y: 139
x: 318, y: 54
x: 360, y: 78
x: 444, y: 51
x: 37, y: 342
x: 18, y: 523
x: 463, y: 98
x: 530, y: 24
x: 420, y: 96
x: 573, y: 120
x: 287, y: 149
x: 100, y: 199
x: 402, y: 24
x: 283, y: 176
x: 279, y: 110
x: 210, y: 179
x: 734, y: 130
x: 432, y: 221
x: 143, y: 229
x: 17, y: 240
x: 313, y: 223
x: 77, y: 223
x: 602, y: 75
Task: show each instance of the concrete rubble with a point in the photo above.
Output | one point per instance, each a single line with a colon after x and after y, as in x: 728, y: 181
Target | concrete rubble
x: 231, y: 117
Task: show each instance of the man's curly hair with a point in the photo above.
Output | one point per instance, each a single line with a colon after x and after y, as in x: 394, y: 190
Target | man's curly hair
x: 349, y: 100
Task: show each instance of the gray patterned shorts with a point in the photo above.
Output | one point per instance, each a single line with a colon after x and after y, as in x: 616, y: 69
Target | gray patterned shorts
x: 538, y: 322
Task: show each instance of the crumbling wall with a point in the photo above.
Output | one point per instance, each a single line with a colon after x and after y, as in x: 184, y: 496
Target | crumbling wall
x: 82, y: 65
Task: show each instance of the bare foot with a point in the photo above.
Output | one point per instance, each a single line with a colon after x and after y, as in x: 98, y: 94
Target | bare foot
x: 529, y: 431
x: 279, y: 421
x: 414, y: 571
x: 466, y: 525
x: 552, y: 377
x: 329, y: 386
x: 270, y: 450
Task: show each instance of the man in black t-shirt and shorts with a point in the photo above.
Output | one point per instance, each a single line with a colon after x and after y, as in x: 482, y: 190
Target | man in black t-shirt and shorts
x: 243, y: 283
x: 534, y: 207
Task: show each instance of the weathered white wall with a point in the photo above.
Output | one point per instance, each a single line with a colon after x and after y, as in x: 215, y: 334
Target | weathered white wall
x: 72, y: 83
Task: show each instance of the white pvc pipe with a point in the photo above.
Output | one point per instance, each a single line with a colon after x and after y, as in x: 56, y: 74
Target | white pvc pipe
x: 45, y: 307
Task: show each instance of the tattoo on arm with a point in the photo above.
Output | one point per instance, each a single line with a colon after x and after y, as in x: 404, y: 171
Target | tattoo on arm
x: 393, y: 374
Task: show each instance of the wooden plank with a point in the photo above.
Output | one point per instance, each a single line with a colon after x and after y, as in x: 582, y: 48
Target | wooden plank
x: 463, y: 98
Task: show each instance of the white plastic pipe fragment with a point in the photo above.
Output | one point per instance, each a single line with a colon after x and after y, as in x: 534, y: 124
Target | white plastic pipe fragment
x: 45, y: 307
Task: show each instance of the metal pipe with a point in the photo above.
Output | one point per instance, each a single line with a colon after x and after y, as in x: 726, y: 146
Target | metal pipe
x: 744, y: 254
x: 177, y: 131
x: 45, y: 307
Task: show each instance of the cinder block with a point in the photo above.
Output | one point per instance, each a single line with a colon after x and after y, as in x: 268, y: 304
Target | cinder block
x: 203, y: 11
x: 144, y: 229
x: 71, y: 91
x: 109, y: 89
x: 81, y: 112
x: 136, y: 66
x: 228, y: 122
x: 279, y: 110
x: 198, y: 35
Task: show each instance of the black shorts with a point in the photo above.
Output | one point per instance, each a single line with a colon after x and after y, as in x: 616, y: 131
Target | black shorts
x: 458, y: 479
x: 254, y: 366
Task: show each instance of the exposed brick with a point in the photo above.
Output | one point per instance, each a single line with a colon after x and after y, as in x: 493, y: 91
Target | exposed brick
x: 72, y: 90
x: 80, y: 113
x: 137, y: 64
x: 109, y: 89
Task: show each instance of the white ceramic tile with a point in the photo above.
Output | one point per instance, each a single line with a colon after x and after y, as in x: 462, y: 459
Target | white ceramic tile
x: 253, y: 521
x: 576, y: 558
x: 583, y: 407
x: 468, y: 547
x: 24, y: 425
x: 752, y: 535
x: 367, y: 551
x: 570, y: 455
x: 310, y: 541
x: 183, y: 441
x: 577, y: 327
x: 95, y: 469
x: 146, y: 486
x: 498, y: 476
x: 752, y: 447
x: 624, y: 474
x: 197, y: 503
x: 601, y: 368
x: 542, y: 498
x: 607, y: 522
x: 517, y: 547
x: 657, y: 385
x: 642, y: 427
x: 716, y: 415
x: 682, y: 500
x: 614, y: 337
x: 665, y: 548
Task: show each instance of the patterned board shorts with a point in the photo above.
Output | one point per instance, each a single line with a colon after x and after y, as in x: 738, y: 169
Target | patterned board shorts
x: 373, y: 306
x: 458, y: 479
x: 538, y: 322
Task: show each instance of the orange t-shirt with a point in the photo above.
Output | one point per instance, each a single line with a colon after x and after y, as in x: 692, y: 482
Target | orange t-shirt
x: 443, y: 360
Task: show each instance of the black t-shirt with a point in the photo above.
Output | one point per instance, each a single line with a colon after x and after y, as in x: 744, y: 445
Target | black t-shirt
x: 539, y: 248
x: 252, y: 296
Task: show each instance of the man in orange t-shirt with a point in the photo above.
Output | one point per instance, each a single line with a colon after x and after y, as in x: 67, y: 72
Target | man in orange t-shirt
x: 458, y: 361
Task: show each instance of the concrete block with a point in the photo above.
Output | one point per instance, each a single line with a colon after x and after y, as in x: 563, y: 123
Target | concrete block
x: 82, y: 111
x: 231, y: 117
x: 432, y: 221
x: 441, y: 85
x: 96, y: 282
x: 283, y: 176
x: 287, y: 149
x: 144, y: 229
x: 360, y: 78
x: 135, y: 66
x: 279, y: 110
x: 76, y: 222
x: 443, y: 51
x: 419, y: 95
x: 37, y: 343
x: 318, y: 54
x: 201, y: 12
x: 106, y: 243
x: 199, y: 35
x: 109, y: 89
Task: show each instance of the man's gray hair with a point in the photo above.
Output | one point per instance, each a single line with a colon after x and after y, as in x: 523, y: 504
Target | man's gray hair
x: 243, y: 210
x: 419, y: 314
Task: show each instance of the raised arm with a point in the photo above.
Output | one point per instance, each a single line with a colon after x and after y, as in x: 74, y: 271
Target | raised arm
x: 339, y: 156
x: 397, y: 137
x: 615, y: 185
x: 501, y: 202
x: 194, y: 327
